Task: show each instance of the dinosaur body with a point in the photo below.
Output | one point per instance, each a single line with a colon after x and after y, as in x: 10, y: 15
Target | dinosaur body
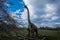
x: 32, y: 29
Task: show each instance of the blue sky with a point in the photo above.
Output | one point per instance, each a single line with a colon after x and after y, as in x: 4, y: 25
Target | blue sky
x: 15, y: 5
x: 45, y: 12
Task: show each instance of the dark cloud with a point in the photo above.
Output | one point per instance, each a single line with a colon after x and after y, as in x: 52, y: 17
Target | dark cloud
x: 40, y: 10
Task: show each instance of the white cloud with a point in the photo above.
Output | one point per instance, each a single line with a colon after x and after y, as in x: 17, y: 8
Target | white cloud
x: 57, y: 23
x: 44, y: 7
x: 7, y: 4
x: 24, y: 15
x: 39, y: 9
x: 17, y: 11
x: 50, y: 8
x: 54, y: 17
x: 50, y: 12
x: 19, y: 18
x: 31, y: 9
x: 13, y: 14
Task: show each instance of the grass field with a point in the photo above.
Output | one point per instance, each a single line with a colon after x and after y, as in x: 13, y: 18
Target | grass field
x: 51, y: 34
x: 21, y: 34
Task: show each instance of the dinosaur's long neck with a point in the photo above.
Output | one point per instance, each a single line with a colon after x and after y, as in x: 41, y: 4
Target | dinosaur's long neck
x: 29, y: 22
x: 28, y: 17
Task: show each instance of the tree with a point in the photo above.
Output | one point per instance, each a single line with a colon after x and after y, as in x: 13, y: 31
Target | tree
x: 5, y: 19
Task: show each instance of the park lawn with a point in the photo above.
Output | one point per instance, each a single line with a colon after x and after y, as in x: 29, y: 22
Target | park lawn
x: 51, y: 34
x: 16, y: 35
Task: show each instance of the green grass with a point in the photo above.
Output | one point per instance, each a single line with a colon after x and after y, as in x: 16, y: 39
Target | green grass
x: 51, y: 34
x: 16, y: 35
